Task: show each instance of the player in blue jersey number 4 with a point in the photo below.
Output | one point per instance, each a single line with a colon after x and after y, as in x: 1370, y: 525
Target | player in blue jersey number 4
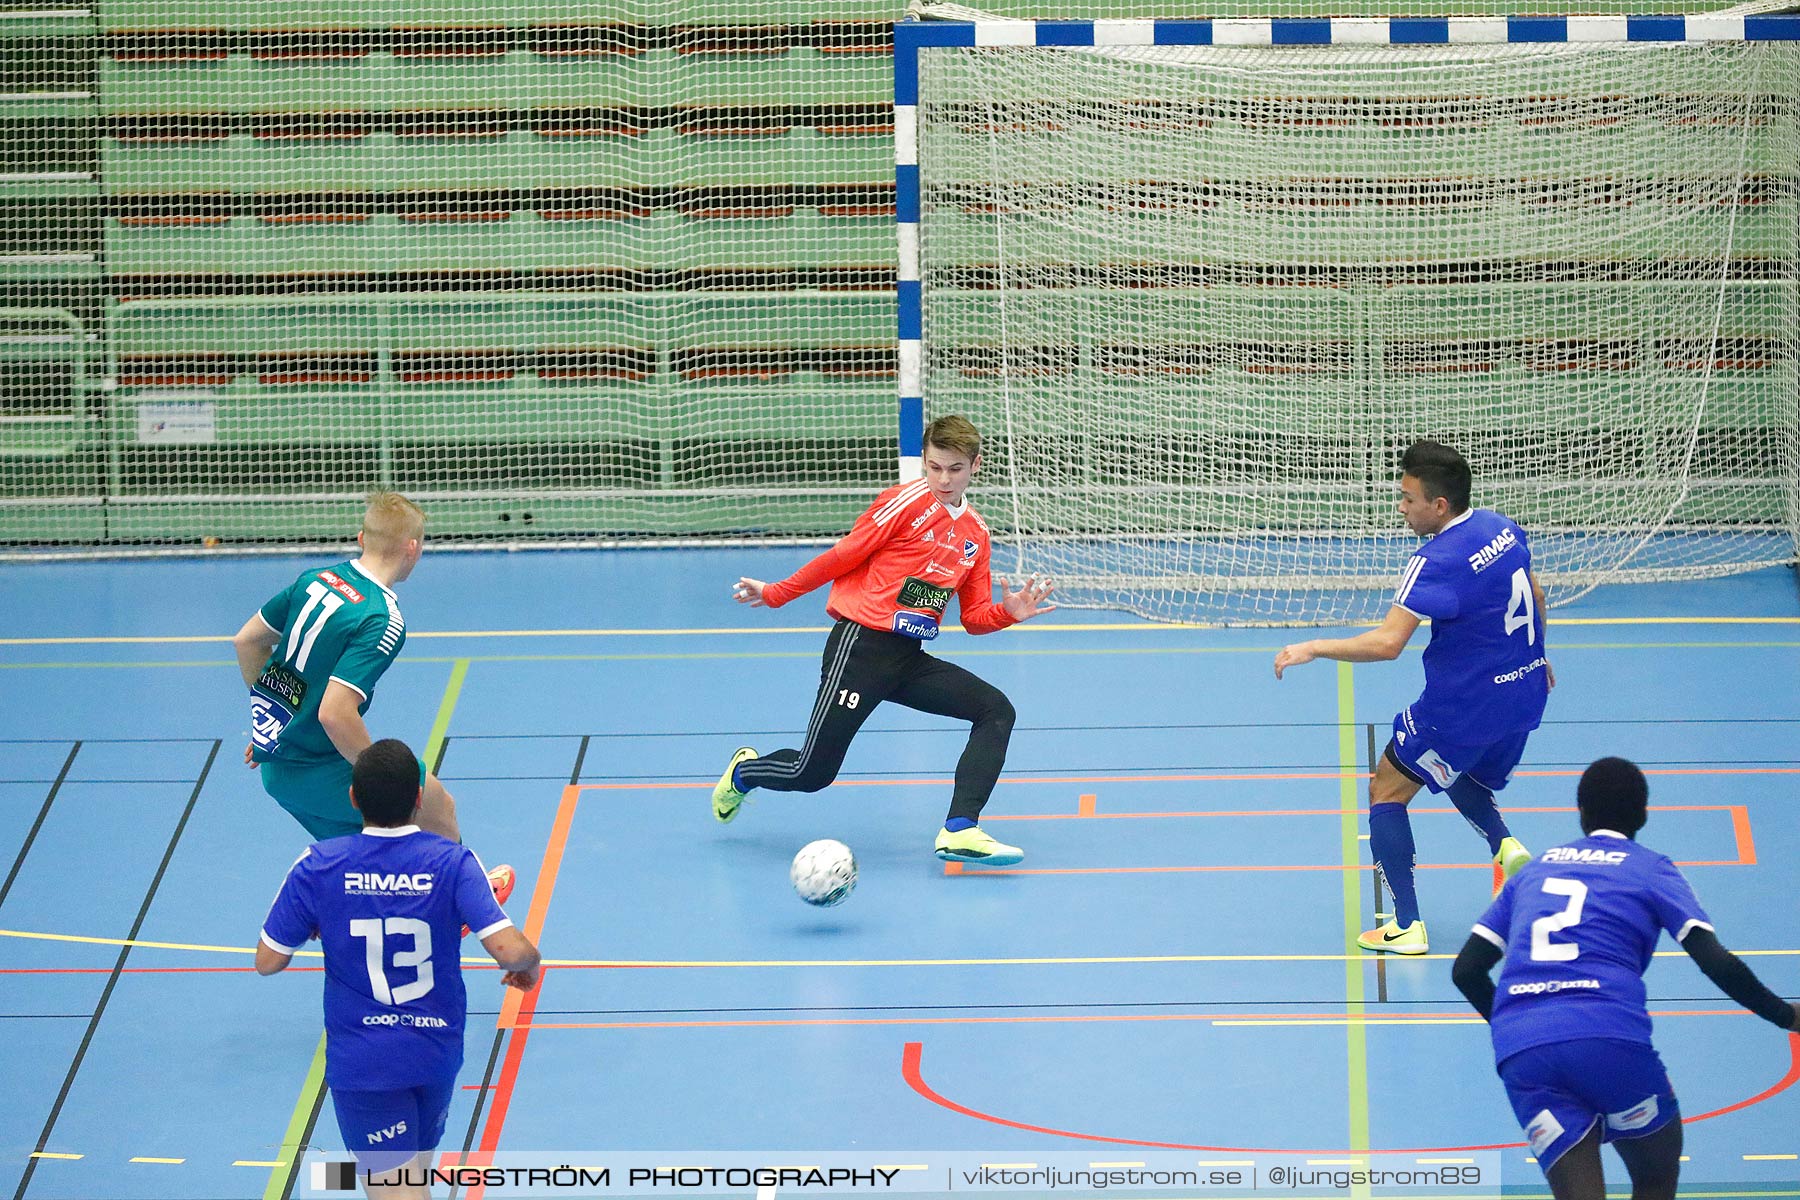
x: 1571, y: 1031
x: 1486, y: 677
x: 387, y: 906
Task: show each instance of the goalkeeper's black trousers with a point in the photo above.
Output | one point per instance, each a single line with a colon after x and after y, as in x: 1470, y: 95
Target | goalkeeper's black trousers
x: 863, y: 667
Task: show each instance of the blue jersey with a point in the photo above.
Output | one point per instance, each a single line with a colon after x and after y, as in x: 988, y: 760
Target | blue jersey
x: 1484, y: 666
x: 1577, y: 925
x: 388, y: 906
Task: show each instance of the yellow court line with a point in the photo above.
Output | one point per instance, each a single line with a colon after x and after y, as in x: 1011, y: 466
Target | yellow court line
x: 135, y: 943
x: 778, y: 630
x: 637, y: 963
x: 49, y: 1154
x: 170, y: 1161
x: 258, y: 1162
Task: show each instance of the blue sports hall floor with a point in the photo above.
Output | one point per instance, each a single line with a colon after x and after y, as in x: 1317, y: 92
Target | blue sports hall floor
x: 1170, y: 970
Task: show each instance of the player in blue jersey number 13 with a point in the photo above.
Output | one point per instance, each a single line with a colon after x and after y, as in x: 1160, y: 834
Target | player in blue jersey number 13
x: 1486, y: 677
x: 1571, y: 1031
x: 386, y: 905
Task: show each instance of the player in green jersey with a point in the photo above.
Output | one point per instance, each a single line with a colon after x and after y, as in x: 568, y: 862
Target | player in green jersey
x: 311, y: 657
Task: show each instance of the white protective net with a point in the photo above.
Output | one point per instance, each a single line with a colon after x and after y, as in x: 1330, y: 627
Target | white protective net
x: 1203, y: 297
x: 553, y: 270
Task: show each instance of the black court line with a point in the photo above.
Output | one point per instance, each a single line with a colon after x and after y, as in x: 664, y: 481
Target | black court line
x: 44, y: 811
x: 88, y: 780
x: 1381, y: 996
x: 113, y: 979
x: 487, y: 1074
x: 94, y: 741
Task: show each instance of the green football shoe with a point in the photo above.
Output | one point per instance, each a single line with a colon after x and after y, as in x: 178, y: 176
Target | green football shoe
x: 1512, y: 856
x: 973, y: 845
x: 726, y: 797
x: 1391, y: 939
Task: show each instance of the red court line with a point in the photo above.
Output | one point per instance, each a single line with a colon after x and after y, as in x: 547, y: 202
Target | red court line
x: 517, y: 1009
x: 1089, y: 811
x: 1087, y: 804
x: 1231, y: 777
x: 1075, y: 1019
x: 1740, y: 827
x: 914, y: 1052
x: 956, y: 868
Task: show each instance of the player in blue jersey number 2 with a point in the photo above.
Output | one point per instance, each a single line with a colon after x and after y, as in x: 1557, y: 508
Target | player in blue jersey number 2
x: 1486, y: 677
x: 1571, y: 1031
x: 389, y: 906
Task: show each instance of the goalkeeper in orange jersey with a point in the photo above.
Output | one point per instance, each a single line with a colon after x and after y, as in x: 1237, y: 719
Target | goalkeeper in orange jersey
x: 892, y: 577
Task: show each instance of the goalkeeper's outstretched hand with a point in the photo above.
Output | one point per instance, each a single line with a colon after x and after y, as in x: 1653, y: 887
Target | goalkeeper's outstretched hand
x: 1028, y: 601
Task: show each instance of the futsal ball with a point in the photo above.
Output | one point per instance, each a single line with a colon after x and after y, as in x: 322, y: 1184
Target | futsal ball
x: 824, y: 872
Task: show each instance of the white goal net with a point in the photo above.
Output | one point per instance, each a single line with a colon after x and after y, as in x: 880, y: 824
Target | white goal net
x: 1202, y: 297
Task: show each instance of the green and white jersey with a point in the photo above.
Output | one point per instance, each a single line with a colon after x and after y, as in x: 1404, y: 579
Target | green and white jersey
x: 335, y: 623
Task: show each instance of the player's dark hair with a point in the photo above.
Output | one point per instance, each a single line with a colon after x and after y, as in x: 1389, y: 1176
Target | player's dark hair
x: 1440, y: 470
x: 386, y: 782
x: 1613, y: 795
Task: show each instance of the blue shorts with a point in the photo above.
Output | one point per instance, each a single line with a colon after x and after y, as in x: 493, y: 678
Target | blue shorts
x: 1560, y: 1091
x: 386, y: 1130
x: 1437, y: 764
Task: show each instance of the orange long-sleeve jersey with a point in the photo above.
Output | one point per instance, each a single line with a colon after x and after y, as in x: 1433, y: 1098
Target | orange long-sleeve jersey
x: 899, y: 565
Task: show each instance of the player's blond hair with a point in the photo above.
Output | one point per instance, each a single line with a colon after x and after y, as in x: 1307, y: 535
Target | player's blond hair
x: 389, y: 522
x: 955, y: 434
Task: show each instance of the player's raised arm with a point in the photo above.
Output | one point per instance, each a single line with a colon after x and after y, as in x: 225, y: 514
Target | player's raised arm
x: 1381, y: 644
x: 874, y: 529
x: 1028, y: 601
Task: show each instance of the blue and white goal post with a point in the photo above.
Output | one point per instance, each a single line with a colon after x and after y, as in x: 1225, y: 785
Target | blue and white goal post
x: 1201, y: 280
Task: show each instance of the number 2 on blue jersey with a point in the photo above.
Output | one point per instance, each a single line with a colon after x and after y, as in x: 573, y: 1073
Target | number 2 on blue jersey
x: 1542, y: 948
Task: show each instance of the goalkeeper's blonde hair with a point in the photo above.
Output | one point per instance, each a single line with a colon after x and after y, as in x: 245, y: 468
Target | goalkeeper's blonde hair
x: 389, y: 522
